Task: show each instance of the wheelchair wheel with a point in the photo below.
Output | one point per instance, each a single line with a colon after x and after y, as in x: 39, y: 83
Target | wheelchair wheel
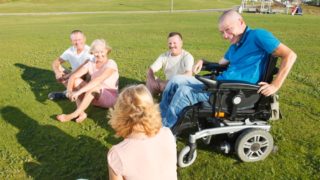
x: 254, y: 145
x: 183, y: 157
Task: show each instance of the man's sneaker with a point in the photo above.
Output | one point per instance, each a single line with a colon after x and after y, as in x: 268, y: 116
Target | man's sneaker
x: 57, y: 95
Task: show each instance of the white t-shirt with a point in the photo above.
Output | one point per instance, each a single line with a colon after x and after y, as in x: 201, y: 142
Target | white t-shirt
x: 173, y: 65
x: 70, y: 55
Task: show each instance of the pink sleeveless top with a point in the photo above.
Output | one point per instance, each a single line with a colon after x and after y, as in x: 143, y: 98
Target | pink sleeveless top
x: 152, y: 158
x: 111, y: 82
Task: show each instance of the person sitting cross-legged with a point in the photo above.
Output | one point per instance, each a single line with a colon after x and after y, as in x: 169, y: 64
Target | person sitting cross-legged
x: 101, y: 90
x: 246, y: 59
x: 76, y: 56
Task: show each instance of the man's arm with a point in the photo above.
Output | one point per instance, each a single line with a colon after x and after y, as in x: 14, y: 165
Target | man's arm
x: 198, y: 66
x: 69, y: 75
x: 288, y: 57
x: 224, y: 62
x: 188, y: 62
x: 57, y: 68
x: 157, y: 64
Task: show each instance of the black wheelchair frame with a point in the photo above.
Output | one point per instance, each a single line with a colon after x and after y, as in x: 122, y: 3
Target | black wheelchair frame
x: 236, y: 111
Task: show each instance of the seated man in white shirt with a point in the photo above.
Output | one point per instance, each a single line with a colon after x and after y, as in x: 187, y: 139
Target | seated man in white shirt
x: 176, y: 61
x: 76, y: 55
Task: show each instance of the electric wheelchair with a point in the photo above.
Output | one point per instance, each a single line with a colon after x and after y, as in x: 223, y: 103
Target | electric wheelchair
x: 236, y: 116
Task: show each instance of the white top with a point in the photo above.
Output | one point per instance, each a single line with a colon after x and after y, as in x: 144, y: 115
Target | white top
x: 173, y: 65
x: 152, y: 158
x: 70, y: 55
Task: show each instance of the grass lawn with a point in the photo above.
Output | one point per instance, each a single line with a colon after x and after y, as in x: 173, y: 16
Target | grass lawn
x: 33, y: 145
x: 109, y: 5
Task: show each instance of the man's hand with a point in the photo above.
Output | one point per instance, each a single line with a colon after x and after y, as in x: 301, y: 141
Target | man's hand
x: 197, y: 67
x: 59, y: 76
x: 66, y: 76
x: 267, y: 89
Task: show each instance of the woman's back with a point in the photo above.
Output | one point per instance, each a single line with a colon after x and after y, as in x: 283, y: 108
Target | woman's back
x: 145, y: 158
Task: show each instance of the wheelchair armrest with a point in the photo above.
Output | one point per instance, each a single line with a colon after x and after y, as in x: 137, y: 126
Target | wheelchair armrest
x: 215, y: 68
x: 237, y: 85
x: 208, y: 82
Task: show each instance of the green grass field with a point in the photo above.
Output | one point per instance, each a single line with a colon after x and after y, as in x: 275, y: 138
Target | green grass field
x: 33, y: 145
x: 110, y: 5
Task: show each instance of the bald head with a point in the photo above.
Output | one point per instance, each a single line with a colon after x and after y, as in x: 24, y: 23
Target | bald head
x: 230, y: 15
x: 231, y: 26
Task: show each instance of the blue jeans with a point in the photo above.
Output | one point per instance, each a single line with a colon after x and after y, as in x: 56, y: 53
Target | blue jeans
x: 180, y: 92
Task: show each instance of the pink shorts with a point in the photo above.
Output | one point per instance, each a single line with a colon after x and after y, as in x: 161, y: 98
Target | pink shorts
x: 107, y: 98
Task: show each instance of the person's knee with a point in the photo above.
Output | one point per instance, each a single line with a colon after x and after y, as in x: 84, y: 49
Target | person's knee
x: 184, y: 91
x: 95, y: 92
x: 153, y: 86
x: 78, y: 83
x: 178, y: 79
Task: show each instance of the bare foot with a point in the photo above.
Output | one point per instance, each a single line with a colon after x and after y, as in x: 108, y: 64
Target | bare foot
x: 64, y: 117
x: 82, y: 117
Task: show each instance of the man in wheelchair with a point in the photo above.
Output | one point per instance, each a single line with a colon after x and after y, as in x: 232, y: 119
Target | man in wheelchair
x: 245, y: 64
x: 246, y: 59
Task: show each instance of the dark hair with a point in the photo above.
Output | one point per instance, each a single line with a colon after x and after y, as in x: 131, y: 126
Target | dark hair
x: 76, y: 32
x: 175, y: 34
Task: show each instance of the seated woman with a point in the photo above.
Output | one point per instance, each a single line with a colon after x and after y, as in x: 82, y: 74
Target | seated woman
x: 148, y: 150
x: 101, y: 90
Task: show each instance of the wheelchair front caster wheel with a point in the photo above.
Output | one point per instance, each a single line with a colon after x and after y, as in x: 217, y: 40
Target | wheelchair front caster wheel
x: 254, y: 145
x: 184, y: 160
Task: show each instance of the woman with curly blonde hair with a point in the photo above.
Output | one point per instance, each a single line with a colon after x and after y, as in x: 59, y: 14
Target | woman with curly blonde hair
x: 148, y: 150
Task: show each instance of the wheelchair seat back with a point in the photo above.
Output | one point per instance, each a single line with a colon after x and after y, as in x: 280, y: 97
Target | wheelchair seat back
x: 236, y: 98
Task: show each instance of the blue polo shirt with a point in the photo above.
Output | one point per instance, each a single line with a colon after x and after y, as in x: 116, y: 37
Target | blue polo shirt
x: 247, y: 58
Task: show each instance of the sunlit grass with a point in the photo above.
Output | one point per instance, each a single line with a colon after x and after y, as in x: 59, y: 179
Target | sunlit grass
x: 34, y: 145
x: 110, y: 5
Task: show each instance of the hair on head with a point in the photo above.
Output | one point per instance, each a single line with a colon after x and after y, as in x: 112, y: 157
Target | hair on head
x: 76, y: 32
x: 135, y: 112
x: 171, y: 34
x: 229, y: 13
x: 101, y: 42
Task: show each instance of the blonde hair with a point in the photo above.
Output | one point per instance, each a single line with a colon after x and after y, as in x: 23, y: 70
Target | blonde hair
x: 135, y: 112
x: 101, y: 42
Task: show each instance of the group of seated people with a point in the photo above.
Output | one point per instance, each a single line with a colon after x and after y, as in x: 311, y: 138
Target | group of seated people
x: 148, y: 150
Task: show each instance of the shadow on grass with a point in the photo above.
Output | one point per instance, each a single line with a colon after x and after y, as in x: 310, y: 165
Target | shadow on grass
x: 213, y: 147
x: 124, y: 81
x: 41, y: 81
x: 56, y: 155
x: 98, y: 114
